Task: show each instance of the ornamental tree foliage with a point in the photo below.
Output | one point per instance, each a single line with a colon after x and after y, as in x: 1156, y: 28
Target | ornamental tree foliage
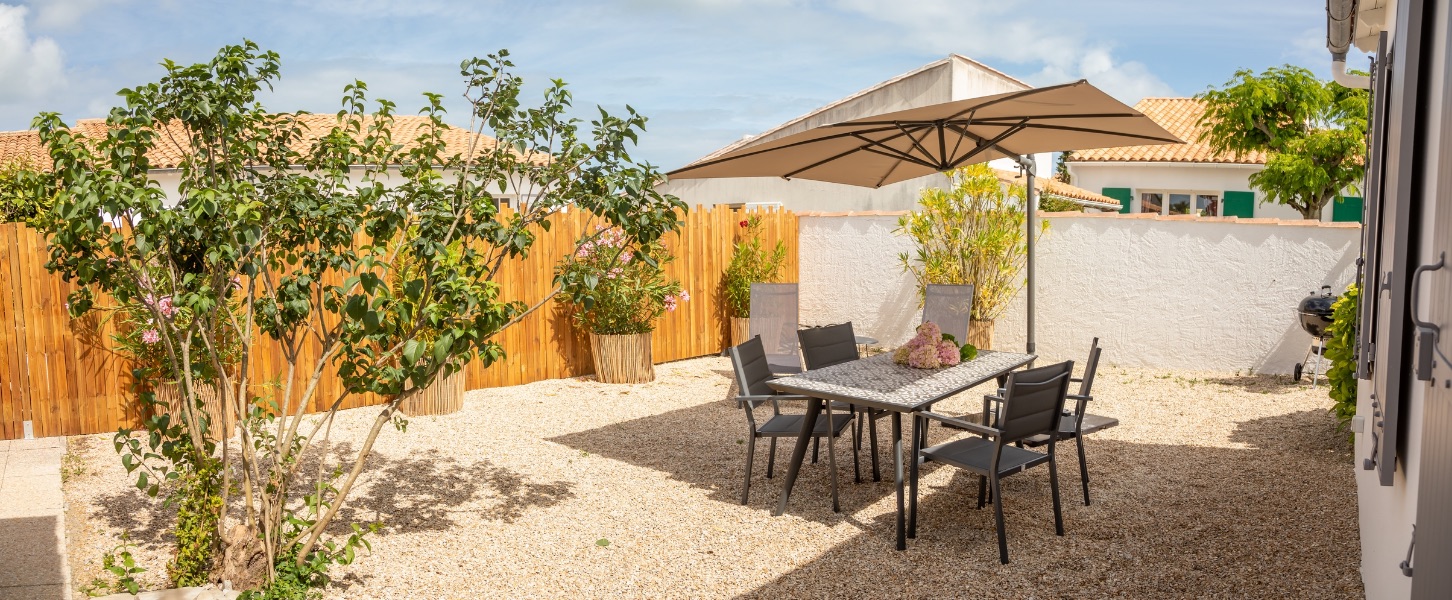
x: 1313, y: 133
x: 301, y: 240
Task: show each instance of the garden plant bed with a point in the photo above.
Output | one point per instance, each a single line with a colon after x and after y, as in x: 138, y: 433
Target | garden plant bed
x: 1214, y: 485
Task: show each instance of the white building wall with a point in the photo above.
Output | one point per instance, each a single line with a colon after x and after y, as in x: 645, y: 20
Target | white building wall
x: 1164, y: 293
x: 1146, y: 176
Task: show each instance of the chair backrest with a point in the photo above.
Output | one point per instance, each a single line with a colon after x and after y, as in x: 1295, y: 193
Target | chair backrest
x: 1086, y: 386
x: 749, y: 362
x: 1034, y: 400
x: 827, y: 346
x: 950, y: 306
x: 774, y: 320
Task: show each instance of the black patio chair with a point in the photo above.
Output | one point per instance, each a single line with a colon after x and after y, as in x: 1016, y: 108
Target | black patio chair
x: 1080, y: 423
x: 1033, y: 405
x: 749, y: 363
x: 774, y: 319
x: 834, y: 345
x: 950, y: 307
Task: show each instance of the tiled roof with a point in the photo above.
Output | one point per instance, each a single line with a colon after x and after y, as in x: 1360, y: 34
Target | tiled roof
x: 25, y: 147
x: 1047, y: 185
x: 1178, y: 116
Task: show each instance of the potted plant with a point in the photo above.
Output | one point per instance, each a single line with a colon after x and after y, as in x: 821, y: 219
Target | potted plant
x: 616, y: 289
x: 140, y: 335
x: 750, y: 263
x: 971, y: 233
x: 445, y: 394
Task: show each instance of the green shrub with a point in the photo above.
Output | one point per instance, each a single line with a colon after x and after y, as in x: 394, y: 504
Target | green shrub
x: 1341, y: 351
x: 750, y: 263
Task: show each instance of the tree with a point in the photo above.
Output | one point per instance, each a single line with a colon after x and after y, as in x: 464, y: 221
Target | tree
x: 20, y: 200
x: 301, y: 242
x: 1313, y: 133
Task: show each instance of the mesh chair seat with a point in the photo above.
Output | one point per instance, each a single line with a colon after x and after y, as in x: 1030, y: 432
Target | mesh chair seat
x: 791, y: 425
x: 975, y: 454
x: 1092, y: 423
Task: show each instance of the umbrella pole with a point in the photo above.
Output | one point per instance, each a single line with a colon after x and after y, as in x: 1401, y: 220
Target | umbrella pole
x: 1032, y: 209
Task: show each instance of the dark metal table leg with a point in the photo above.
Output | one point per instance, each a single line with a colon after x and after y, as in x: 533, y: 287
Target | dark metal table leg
x: 897, y: 458
x: 912, y: 528
x: 809, y: 423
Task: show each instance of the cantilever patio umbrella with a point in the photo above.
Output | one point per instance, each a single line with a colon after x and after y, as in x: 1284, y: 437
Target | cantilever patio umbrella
x: 888, y: 148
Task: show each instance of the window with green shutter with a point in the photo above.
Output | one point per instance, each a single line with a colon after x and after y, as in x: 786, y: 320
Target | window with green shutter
x: 1348, y: 210
x: 1123, y: 195
x: 1238, y: 204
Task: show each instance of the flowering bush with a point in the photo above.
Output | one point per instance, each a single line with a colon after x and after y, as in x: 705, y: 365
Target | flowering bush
x: 750, y: 263
x: 153, y: 311
x: 931, y: 348
x: 621, y: 285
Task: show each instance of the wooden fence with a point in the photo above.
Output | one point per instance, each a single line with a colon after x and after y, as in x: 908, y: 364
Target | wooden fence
x: 63, y: 376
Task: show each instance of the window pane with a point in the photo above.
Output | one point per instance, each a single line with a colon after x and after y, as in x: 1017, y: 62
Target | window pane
x: 1207, y: 205
x: 1179, y: 204
x: 1151, y: 203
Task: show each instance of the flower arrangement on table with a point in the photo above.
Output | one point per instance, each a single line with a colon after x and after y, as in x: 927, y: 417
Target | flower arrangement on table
x: 931, y: 349
x: 615, y: 286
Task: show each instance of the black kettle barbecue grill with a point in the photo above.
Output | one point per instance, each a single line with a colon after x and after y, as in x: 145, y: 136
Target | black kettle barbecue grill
x: 1315, y: 315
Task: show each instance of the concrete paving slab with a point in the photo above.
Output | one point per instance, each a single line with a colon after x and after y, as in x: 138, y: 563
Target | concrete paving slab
x: 31, y: 496
x: 32, y: 551
x: 39, y: 443
x: 43, y: 461
x: 4, y: 445
x: 35, y: 592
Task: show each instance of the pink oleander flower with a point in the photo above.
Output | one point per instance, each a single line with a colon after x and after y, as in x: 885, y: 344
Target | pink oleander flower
x: 685, y: 296
x: 613, y: 273
x: 948, y: 353
x: 237, y: 281
x: 625, y: 258
x: 925, y: 357
x: 150, y: 336
x: 670, y: 303
x: 165, y: 307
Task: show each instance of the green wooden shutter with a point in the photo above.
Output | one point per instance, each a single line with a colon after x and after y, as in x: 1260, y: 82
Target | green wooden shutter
x: 1348, y: 210
x: 1238, y: 204
x: 1123, y: 195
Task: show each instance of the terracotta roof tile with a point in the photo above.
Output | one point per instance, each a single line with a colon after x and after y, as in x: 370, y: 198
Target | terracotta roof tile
x: 1046, y: 185
x: 25, y: 147
x: 1179, y: 117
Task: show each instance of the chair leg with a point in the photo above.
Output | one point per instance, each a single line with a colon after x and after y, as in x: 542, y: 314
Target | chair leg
x: 856, y: 446
x: 982, y: 487
x: 750, y: 455
x: 816, y: 445
x: 912, y: 530
x: 872, y: 444
x: 998, y: 515
x: 770, y: 458
x: 1083, y: 467
x: 832, y: 458
x: 1054, y: 490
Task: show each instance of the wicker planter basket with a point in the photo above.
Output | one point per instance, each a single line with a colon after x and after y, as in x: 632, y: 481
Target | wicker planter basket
x: 980, y: 334
x: 740, y: 330
x: 169, y: 401
x: 445, y: 395
x: 622, y: 358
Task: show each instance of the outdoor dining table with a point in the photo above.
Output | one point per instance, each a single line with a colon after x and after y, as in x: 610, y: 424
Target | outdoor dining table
x: 878, y: 382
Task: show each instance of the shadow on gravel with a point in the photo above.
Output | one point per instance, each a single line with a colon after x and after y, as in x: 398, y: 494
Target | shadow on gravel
x: 1167, y: 521
x: 1261, y: 384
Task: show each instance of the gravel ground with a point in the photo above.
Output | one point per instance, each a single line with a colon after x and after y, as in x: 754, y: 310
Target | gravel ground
x: 1214, y: 486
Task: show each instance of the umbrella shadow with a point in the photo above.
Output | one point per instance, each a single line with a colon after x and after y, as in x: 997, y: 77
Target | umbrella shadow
x: 1168, y: 520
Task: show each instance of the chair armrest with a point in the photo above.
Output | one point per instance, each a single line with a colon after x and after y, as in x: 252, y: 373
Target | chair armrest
x: 1076, y: 379
x: 1080, y: 397
x: 993, y: 397
x: 757, y: 400
x: 960, y: 423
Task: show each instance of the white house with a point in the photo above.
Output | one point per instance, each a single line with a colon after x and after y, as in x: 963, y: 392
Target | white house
x: 953, y: 78
x: 1189, y: 178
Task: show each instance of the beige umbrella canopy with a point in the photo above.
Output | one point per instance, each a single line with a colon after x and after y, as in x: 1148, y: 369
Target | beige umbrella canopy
x: 888, y: 148
x: 898, y: 146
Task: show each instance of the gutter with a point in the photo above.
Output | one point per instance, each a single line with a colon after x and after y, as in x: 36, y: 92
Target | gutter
x: 1340, y: 33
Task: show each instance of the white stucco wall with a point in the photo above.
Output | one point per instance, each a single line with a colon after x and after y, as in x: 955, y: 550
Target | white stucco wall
x: 1166, y: 293
x: 1218, y: 178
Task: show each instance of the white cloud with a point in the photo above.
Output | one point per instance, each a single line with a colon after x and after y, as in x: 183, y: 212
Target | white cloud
x: 1009, y: 30
x: 51, y: 14
x: 30, y: 68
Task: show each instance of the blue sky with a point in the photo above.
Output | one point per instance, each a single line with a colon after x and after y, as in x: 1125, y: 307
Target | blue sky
x: 705, y: 71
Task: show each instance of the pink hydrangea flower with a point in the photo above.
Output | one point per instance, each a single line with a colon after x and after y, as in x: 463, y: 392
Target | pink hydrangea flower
x: 948, y: 353
x: 900, y: 356
x: 925, y: 357
x: 931, y: 331
x: 150, y: 336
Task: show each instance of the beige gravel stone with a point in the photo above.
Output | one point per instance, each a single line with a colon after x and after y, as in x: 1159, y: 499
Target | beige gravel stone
x: 1214, y: 486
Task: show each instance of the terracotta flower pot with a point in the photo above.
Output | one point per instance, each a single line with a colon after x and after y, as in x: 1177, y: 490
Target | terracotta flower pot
x: 980, y: 334
x: 169, y: 401
x: 445, y: 395
x: 622, y: 358
x: 740, y: 330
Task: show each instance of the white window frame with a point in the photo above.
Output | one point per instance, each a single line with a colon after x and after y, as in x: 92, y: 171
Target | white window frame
x: 1136, y: 201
